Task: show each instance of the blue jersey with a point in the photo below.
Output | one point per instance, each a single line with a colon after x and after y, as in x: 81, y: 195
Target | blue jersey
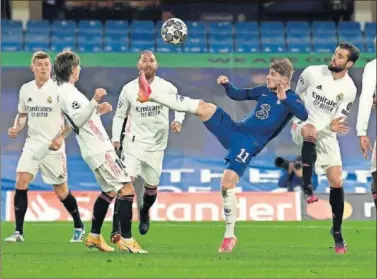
x: 270, y: 115
x: 245, y: 139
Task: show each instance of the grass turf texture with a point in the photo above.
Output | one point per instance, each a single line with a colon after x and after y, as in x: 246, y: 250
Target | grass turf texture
x: 265, y: 249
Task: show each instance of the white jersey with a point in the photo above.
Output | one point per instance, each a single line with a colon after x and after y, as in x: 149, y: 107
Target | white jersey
x: 366, y: 98
x: 148, y: 123
x: 91, y: 137
x: 45, y: 119
x: 324, y: 97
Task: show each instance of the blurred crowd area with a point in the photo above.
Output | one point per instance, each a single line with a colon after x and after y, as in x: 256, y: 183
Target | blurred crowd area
x: 228, y: 10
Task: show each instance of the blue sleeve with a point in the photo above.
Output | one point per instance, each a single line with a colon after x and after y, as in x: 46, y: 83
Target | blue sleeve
x: 239, y: 94
x: 295, y: 105
x: 283, y: 180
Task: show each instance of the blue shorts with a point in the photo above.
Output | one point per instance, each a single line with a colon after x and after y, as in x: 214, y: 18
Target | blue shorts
x: 241, y: 147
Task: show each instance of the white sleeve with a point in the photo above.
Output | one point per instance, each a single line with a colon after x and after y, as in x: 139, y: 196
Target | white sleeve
x: 178, y: 116
x: 344, y: 106
x: 366, y: 99
x: 120, y: 115
x: 21, y: 101
x: 77, y: 108
x: 304, y: 81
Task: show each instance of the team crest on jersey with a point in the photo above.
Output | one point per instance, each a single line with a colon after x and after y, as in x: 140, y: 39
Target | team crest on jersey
x: 49, y: 99
x: 340, y: 97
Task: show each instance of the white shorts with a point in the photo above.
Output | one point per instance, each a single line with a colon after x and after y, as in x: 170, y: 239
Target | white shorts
x: 111, y: 176
x: 373, y: 168
x: 53, y: 166
x: 327, y: 147
x: 147, y: 164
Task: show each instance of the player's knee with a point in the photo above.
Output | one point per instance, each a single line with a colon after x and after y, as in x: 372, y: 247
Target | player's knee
x: 309, y: 131
x: 227, y: 184
x: 150, y: 186
x: 336, y: 182
x: 23, y: 180
x: 205, y: 110
x: 111, y: 194
x: 127, y: 189
x: 61, y: 191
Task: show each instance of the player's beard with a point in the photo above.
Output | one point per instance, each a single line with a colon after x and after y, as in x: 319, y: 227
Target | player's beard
x: 149, y: 73
x: 336, y: 69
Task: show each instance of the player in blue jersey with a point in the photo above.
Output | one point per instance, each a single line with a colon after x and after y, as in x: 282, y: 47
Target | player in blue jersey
x: 276, y: 105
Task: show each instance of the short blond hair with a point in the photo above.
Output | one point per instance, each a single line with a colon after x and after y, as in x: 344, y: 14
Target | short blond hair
x: 39, y: 55
x: 283, y: 67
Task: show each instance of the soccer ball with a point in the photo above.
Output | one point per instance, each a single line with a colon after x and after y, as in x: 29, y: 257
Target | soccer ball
x: 174, y: 31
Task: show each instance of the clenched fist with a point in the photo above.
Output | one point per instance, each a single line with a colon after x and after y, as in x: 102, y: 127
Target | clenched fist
x: 222, y: 80
x: 104, y: 108
x: 99, y: 93
x: 12, y: 132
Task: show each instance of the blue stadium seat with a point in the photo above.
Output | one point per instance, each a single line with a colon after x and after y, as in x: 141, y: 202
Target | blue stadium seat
x: 116, y: 27
x: 247, y: 46
x: 37, y: 37
x: 115, y: 38
x: 354, y: 38
x: 115, y: 47
x: 195, y: 47
x: 220, y: 27
x: 168, y: 48
x: 219, y: 37
x: 272, y: 27
x: 370, y: 29
x: 89, y: 47
x: 89, y: 38
x: 273, y: 47
x: 141, y: 36
x: 371, y: 47
x: 301, y: 27
x: 247, y: 37
x: 323, y: 27
x: 299, y: 47
x: 196, y: 38
x: 63, y: 27
x: 143, y: 26
x: 63, y: 38
x: 11, y: 24
x: 298, y: 38
x: 349, y: 27
x: 60, y: 46
x: 38, y: 26
x: 323, y: 47
x: 220, y: 48
x: 137, y: 46
x: 90, y: 27
x: 195, y: 27
x: 11, y: 46
x: 251, y: 27
x: 12, y: 38
x: 272, y: 38
x: 325, y: 38
x: 35, y: 46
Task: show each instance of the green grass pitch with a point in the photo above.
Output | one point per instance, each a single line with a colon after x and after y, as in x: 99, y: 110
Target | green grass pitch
x: 265, y: 249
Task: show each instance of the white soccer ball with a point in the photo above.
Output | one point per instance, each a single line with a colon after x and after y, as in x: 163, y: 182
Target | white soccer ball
x: 174, y: 31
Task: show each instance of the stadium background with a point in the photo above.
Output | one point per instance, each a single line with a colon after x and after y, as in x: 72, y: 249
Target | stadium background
x: 194, y: 159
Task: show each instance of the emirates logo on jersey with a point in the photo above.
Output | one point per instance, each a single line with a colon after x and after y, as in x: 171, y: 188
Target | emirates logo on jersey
x: 323, y: 103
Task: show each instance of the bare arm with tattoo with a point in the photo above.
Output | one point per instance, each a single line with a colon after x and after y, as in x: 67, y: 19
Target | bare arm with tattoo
x: 19, y: 124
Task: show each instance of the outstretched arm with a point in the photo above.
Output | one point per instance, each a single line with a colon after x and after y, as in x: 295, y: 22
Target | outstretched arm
x: 239, y: 94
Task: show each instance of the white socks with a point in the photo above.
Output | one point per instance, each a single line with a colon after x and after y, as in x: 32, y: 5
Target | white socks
x: 175, y: 102
x: 230, y: 211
